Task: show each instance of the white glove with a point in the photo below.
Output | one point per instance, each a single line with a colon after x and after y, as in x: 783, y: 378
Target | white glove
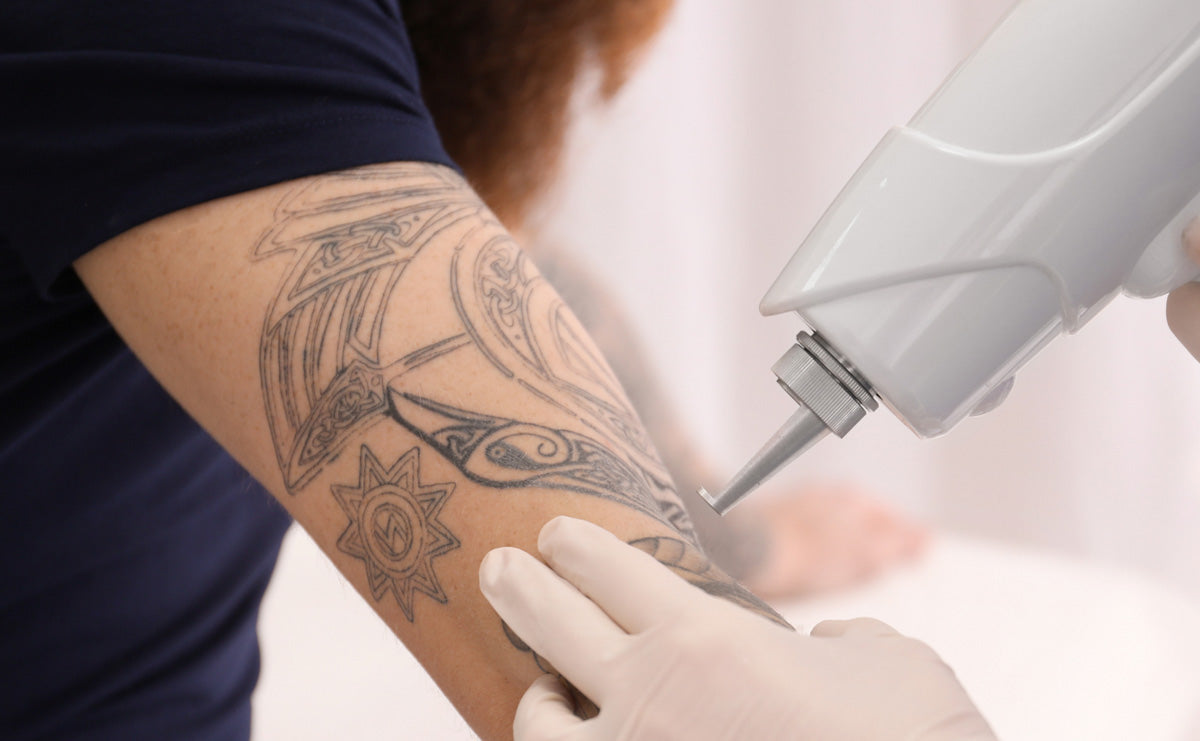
x: 663, y: 660
x: 1183, y: 305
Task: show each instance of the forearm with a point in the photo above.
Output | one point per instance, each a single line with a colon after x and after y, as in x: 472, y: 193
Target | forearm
x: 374, y: 348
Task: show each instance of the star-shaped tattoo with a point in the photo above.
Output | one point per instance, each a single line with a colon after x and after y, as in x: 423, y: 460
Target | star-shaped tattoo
x: 394, y: 527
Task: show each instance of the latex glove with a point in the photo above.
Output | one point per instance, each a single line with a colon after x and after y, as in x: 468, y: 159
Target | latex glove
x: 1183, y: 305
x: 663, y: 660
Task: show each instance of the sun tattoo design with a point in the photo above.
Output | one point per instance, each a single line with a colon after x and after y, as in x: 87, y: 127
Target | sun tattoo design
x: 394, y: 528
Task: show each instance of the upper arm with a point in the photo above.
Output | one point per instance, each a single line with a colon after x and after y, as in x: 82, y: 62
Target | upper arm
x: 375, y: 349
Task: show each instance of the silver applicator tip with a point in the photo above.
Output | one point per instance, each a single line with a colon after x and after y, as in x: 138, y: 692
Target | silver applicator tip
x: 832, y: 399
x: 802, y: 430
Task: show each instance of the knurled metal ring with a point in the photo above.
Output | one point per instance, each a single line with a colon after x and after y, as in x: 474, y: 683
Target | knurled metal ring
x: 816, y: 347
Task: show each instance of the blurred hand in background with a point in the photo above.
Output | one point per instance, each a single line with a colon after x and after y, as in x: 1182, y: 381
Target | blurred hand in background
x: 824, y: 536
x: 1183, y: 305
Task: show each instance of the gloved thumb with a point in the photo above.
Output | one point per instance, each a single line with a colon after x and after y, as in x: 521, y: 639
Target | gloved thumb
x: 545, y: 712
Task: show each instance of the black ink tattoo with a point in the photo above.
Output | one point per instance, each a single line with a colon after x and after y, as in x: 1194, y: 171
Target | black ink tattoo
x: 737, y: 543
x: 326, y: 377
x: 394, y: 528
x: 353, y: 396
x: 334, y: 363
x: 526, y: 331
x: 322, y: 372
x: 693, y: 566
x: 522, y: 312
x: 544, y: 666
x: 581, y: 705
x: 505, y: 453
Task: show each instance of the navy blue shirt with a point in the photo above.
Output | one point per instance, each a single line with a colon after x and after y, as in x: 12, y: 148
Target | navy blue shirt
x: 133, y: 551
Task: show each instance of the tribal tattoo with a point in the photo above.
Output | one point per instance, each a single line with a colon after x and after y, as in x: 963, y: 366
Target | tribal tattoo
x: 321, y: 361
x: 394, y: 528
x: 581, y: 705
x: 694, y: 567
x: 399, y: 283
x: 505, y: 453
x: 329, y: 371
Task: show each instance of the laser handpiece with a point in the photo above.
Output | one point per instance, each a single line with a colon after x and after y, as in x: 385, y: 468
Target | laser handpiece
x: 1054, y: 170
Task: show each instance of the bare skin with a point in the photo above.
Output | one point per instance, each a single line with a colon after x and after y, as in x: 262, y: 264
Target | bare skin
x: 1183, y: 305
x: 828, y: 536
x: 375, y: 348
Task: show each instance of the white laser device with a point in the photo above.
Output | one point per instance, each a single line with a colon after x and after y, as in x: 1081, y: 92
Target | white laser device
x: 1056, y: 168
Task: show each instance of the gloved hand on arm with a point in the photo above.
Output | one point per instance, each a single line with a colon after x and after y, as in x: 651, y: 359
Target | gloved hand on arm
x: 1183, y: 305
x: 664, y: 660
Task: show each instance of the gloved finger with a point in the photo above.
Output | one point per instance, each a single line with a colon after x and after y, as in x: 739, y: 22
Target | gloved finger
x: 1183, y: 316
x: 545, y: 712
x: 1191, y: 240
x: 552, y: 617
x: 863, y: 627
x: 631, y: 586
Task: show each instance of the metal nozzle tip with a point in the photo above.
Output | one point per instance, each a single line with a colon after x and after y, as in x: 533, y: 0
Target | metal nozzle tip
x: 832, y: 399
x: 802, y: 430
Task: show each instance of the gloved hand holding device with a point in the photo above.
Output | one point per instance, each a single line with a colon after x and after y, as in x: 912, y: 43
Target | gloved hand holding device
x: 1183, y: 305
x: 663, y: 660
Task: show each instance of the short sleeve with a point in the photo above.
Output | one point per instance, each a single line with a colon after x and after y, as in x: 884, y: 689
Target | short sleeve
x: 116, y: 113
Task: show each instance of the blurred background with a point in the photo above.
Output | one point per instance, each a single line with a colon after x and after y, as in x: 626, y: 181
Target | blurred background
x: 693, y: 190
x: 688, y: 193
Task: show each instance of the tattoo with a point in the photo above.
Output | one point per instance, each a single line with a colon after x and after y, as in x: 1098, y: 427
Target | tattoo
x: 321, y: 364
x: 505, y: 453
x: 544, y: 666
x: 400, y: 282
x: 525, y: 313
x: 738, y: 543
x: 330, y: 371
x: 528, y: 333
x: 581, y: 705
x: 693, y: 566
x: 394, y: 528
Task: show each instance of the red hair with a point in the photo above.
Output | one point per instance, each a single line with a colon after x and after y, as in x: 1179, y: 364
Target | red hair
x: 498, y: 76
